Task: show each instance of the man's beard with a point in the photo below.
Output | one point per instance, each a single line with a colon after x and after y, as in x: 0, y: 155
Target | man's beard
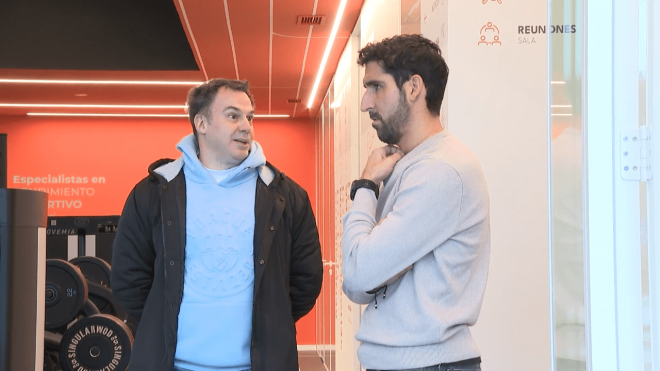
x: 391, y: 129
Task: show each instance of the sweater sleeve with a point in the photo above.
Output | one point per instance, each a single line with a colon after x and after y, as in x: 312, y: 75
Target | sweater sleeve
x: 425, y: 214
x: 133, y: 254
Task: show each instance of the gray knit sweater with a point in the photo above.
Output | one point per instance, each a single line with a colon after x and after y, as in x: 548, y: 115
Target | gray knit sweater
x: 427, y: 238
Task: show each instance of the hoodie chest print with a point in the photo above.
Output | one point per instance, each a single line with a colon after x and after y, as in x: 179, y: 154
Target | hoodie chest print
x: 219, y: 252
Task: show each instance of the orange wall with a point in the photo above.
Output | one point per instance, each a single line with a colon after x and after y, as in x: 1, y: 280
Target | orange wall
x: 103, y: 158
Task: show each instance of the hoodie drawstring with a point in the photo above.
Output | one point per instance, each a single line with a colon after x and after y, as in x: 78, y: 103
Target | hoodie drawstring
x: 375, y: 292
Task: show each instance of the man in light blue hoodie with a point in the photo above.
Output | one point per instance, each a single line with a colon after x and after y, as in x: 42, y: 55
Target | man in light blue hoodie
x: 217, y: 253
x: 416, y: 249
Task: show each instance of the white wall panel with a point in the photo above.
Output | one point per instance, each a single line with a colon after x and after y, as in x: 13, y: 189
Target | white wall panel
x: 434, y: 25
x: 354, y: 141
x: 346, y: 170
x: 379, y: 19
x: 497, y: 96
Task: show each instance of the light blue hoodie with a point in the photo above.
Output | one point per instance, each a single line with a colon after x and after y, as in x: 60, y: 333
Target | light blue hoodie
x: 215, y: 320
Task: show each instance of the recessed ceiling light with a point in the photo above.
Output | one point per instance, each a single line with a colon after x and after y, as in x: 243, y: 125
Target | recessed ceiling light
x: 81, y: 95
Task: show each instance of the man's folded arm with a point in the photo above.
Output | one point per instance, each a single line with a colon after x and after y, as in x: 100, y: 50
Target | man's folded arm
x: 425, y: 214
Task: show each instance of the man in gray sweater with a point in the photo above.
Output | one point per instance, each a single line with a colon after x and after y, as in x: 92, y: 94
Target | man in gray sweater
x: 415, y: 249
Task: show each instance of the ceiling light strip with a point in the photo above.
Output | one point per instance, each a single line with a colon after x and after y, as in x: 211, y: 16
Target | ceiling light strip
x: 192, y: 37
x: 328, y: 48
x: 90, y: 106
x: 557, y: 82
x: 106, y: 114
x: 130, y: 114
x: 302, y: 71
x: 304, y: 37
x: 98, y: 82
x: 561, y: 106
x: 231, y: 39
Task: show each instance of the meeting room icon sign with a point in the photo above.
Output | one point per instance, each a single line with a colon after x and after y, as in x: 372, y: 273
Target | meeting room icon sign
x: 489, y: 35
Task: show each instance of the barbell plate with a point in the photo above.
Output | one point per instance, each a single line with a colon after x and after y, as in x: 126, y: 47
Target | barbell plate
x: 66, y: 293
x: 94, y: 269
x: 98, y: 342
x: 98, y: 271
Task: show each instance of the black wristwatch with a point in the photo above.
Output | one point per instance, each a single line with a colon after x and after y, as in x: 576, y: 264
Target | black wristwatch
x: 363, y: 183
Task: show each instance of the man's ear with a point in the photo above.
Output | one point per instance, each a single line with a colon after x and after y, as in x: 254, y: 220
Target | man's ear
x: 415, y: 88
x: 200, y: 123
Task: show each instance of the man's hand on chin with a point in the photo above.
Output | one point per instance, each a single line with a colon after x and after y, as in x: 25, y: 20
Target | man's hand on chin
x: 381, y: 163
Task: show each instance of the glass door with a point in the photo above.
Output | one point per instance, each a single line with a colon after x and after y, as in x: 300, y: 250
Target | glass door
x: 567, y: 201
x: 604, y: 199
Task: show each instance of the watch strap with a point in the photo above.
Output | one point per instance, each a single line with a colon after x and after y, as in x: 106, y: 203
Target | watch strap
x: 363, y: 183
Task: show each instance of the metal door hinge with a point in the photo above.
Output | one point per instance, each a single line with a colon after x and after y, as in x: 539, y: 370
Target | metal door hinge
x: 636, y: 156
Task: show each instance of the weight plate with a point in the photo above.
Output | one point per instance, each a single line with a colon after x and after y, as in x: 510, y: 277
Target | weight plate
x: 98, y: 342
x: 95, y: 270
x: 66, y: 292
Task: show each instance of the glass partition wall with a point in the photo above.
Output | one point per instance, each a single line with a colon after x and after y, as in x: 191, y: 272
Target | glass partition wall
x: 567, y: 201
x: 604, y: 207
x: 325, y: 203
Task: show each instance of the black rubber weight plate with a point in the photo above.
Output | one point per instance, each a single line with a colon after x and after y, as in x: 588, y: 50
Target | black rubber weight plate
x: 66, y: 292
x: 98, y: 342
x: 94, y: 269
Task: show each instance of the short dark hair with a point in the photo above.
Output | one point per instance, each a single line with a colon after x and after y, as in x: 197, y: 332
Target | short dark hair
x: 201, y: 96
x: 405, y: 55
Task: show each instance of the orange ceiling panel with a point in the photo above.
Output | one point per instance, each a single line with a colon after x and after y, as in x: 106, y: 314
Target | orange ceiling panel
x: 288, y: 56
x: 206, y: 27
x: 250, y: 23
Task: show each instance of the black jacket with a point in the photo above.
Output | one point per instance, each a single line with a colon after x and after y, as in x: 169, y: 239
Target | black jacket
x: 148, y: 262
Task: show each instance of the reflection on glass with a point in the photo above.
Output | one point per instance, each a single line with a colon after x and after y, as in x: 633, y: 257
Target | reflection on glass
x: 325, y: 304
x: 410, y: 17
x: 566, y: 153
x: 645, y: 58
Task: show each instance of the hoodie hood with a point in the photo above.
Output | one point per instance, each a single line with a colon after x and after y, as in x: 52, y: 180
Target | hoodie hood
x: 197, y: 173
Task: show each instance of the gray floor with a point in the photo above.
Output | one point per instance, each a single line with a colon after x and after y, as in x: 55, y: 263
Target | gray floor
x: 309, y: 360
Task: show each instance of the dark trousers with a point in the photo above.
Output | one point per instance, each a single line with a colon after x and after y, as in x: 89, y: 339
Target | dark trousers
x: 183, y: 369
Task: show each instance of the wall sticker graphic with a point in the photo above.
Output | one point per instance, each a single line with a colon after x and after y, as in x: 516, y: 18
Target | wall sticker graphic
x: 489, y: 35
